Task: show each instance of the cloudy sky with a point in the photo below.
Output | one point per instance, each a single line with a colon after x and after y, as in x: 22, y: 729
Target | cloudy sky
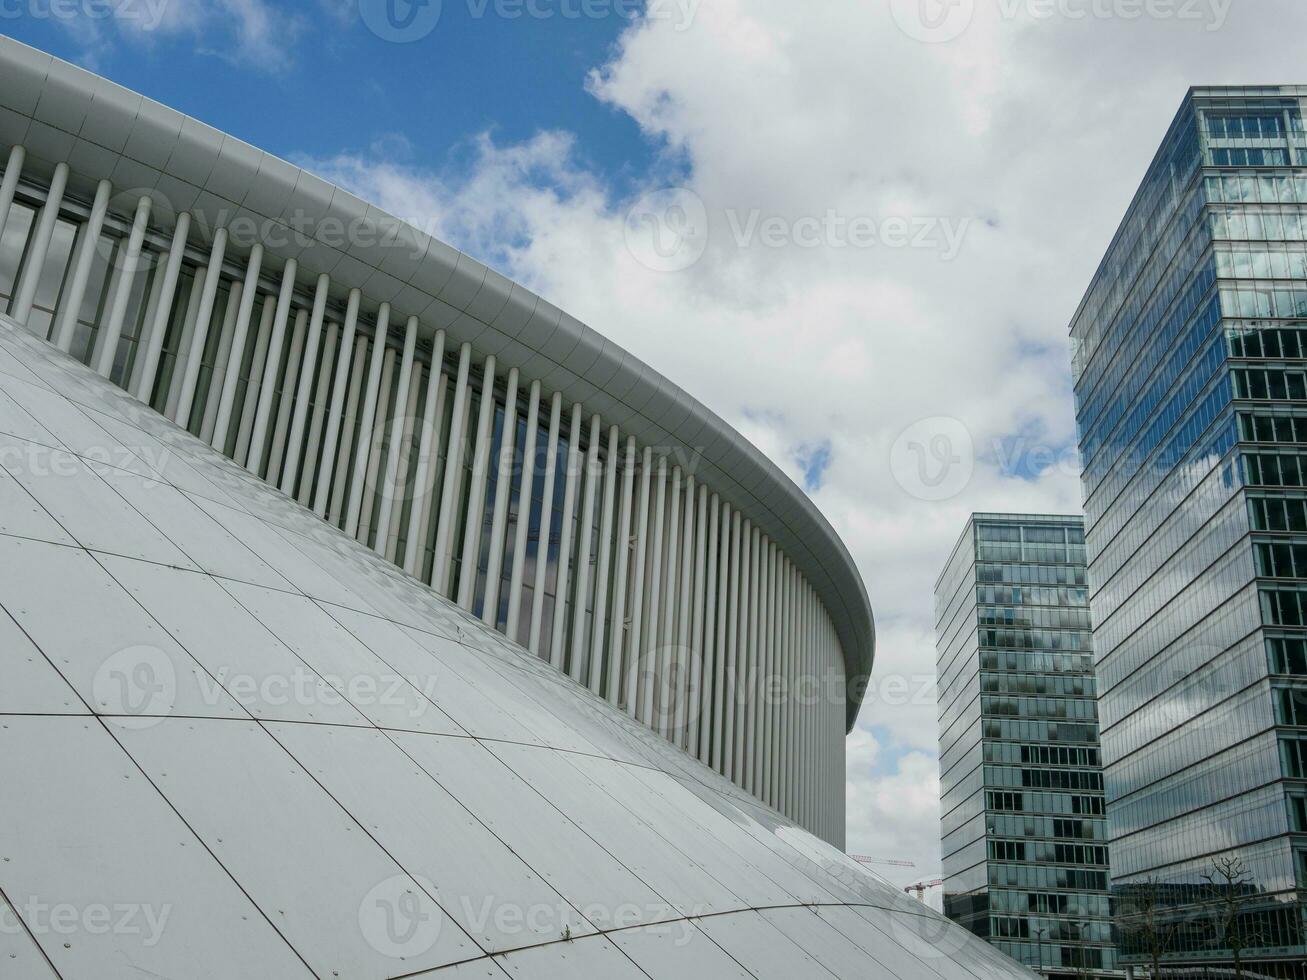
x: 875, y: 219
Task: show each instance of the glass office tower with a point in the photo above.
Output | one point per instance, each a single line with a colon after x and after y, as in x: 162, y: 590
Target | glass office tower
x: 1023, y: 832
x: 1190, y: 363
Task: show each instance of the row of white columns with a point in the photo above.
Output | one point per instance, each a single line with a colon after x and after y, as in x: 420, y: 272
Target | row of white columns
x: 666, y: 600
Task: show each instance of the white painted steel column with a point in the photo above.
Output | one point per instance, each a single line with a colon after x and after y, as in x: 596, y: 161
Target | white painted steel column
x: 348, y: 433
x: 546, y: 521
x: 774, y: 680
x: 372, y: 479
x: 753, y: 737
x: 307, y: 365
x: 112, y: 330
x: 395, y: 449
x: 622, y: 556
x: 268, y: 386
x: 294, y: 364
x: 732, y: 652
x: 363, y: 451
x: 562, y: 581
x: 721, y: 648
x: 194, y: 361
x: 634, y: 636
x: 221, y: 356
x: 132, y: 380
x: 339, y: 392
x: 503, y: 494
x: 666, y: 652
x: 163, y: 311
x: 231, y: 381
x: 449, y: 494
x: 38, y: 249
x: 648, y: 662
x: 766, y: 696
x: 476, y: 495
x: 82, y: 262
x: 706, y: 587
x: 581, y: 597
x: 433, y: 413
x: 517, y: 570
x: 184, y: 343
x: 313, y: 461
x: 9, y: 184
x: 747, y: 664
x: 250, y: 403
x: 405, y: 466
x: 604, y: 566
x: 687, y: 660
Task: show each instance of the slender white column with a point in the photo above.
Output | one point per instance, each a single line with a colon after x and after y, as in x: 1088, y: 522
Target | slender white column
x: 648, y: 662
x: 157, y: 331
x: 348, y: 430
x: 721, y: 631
x: 367, y: 423
x: 585, y: 523
x: 517, y: 569
x: 666, y: 661
x: 314, y: 463
x: 111, y: 331
x: 503, y: 492
x: 9, y: 185
x: 707, y: 639
x: 221, y: 359
x: 557, y: 651
x: 250, y: 403
x: 133, y: 381
x: 756, y: 587
x: 732, y: 652
x: 405, y: 464
x: 194, y: 361
x: 476, y: 494
x: 184, y: 343
x: 83, y: 261
x: 604, y: 565
x: 232, y: 378
x: 745, y: 664
x: 622, y: 556
x: 692, y: 600
x: 294, y: 364
x: 687, y: 655
x: 792, y: 712
x: 449, y: 494
x: 372, y: 481
x: 769, y: 685
x: 339, y: 393
x: 635, y: 634
x: 304, y: 365
x: 394, y: 449
x: 761, y: 692
x: 268, y: 387
x: 546, y: 522
x: 38, y: 249
x: 428, y: 455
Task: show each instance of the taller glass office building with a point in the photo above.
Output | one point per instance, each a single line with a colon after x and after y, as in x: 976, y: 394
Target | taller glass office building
x: 1190, y: 363
x: 1023, y: 834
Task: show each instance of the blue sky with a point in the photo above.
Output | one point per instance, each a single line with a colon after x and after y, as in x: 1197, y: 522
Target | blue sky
x: 335, y: 85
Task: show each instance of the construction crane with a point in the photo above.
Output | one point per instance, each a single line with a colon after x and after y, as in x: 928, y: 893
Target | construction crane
x: 921, y: 887
x: 864, y: 859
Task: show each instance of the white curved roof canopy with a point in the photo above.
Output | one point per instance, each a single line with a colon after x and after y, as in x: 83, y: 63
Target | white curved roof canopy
x: 62, y: 113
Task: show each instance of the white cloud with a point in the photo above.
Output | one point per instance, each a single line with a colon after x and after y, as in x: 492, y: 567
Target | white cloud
x: 250, y: 33
x: 1037, y: 129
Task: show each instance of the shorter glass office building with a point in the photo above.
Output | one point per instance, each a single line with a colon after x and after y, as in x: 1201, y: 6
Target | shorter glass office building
x: 1023, y: 831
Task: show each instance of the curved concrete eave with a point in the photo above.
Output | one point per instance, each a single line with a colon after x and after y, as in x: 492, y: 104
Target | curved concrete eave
x: 62, y: 113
